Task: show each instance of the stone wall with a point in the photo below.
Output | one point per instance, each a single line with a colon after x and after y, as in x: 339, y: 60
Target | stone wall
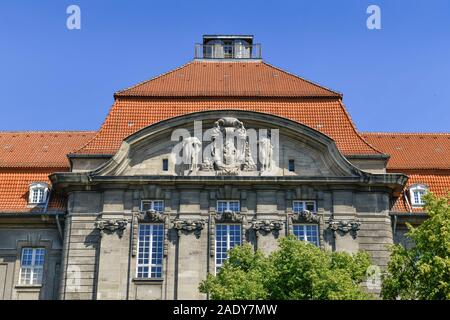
x: 26, y: 231
x: 106, y: 261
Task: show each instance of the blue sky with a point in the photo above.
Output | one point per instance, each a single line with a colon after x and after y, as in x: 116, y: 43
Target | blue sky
x: 393, y: 79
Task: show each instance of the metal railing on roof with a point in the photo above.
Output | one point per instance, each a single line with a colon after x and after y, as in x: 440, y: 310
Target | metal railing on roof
x: 225, y: 51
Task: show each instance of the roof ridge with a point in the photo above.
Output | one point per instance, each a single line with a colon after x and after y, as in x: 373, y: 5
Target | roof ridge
x: 153, y: 78
x: 301, y: 78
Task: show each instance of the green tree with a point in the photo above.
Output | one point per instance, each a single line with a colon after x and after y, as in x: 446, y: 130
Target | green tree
x: 423, y: 271
x: 297, y: 270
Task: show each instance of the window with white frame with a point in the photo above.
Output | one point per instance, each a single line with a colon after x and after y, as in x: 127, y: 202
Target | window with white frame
x: 157, y: 205
x: 299, y: 206
x: 227, y: 237
x: 150, y: 251
x: 307, y: 232
x: 31, y: 266
x: 228, y: 205
x: 416, y: 193
x: 38, y: 193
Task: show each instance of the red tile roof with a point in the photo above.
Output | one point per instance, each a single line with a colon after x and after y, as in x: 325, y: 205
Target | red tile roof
x: 438, y: 182
x: 227, y: 79
x: 39, y: 149
x: 27, y: 157
x: 327, y: 115
x: 212, y: 85
x: 413, y: 150
x: 14, y: 185
x: 424, y: 157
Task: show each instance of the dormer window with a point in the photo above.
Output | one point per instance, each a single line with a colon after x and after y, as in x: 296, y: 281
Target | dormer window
x: 228, y: 205
x: 416, y: 193
x: 38, y: 193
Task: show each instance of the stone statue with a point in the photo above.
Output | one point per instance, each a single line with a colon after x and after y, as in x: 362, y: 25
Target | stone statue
x: 191, y: 149
x: 265, y: 154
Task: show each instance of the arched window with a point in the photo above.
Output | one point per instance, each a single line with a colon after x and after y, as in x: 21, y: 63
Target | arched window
x: 38, y: 193
x: 416, y: 193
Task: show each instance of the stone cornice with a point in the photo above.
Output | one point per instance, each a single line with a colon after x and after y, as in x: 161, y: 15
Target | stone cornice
x: 393, y: 181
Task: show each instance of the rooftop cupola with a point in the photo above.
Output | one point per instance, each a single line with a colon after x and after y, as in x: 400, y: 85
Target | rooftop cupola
x: 228, y: 47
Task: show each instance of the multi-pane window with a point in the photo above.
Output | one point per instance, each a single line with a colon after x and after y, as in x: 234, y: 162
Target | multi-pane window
x: 307, y: 232
x: 227, y: 237
x: 32, y: 265
x: 150, y: 251
x: 299, y: 206
x: 227, y: 205
x: 38, y: 193
x: 157, y: 205
x: 417, y: 192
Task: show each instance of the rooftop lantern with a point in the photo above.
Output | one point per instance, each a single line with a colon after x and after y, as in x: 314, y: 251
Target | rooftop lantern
x: 228, y: 47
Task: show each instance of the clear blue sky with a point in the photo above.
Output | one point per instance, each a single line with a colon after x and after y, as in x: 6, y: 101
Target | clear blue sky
x: 394, y: 79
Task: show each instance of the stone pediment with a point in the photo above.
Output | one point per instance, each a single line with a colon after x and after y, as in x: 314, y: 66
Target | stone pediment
x: 228, y: 143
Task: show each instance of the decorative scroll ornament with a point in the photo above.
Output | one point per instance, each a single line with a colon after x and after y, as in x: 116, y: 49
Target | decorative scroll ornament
x: 345, y: 226
x: 267, y: 226
x: 306, y: 216
x: 229, y: 216
x: 187, y: 226
x: 111, y: 226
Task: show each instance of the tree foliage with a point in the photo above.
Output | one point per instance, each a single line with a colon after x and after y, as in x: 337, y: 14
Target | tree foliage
x: 297, y: 270
x: 423, y: 271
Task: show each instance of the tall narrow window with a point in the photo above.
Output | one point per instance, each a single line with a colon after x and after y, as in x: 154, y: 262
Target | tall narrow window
x: 150, y: 255
x: 299, y: 206
x: 291, y: 165
x: 228, y: 205
x: 157, y: 205
x: 227, y: 237
x: 307, y: 232
x: 32, y: 266
x: 165, y: 164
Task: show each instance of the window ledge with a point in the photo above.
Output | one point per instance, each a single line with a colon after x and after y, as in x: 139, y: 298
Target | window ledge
x: 147, y: 280
x: 28, y: 286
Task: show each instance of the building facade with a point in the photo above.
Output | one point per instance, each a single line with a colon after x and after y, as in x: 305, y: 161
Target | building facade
x: 222, y: 151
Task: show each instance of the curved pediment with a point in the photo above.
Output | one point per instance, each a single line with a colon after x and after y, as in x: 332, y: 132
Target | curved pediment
x: 228, y: 143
